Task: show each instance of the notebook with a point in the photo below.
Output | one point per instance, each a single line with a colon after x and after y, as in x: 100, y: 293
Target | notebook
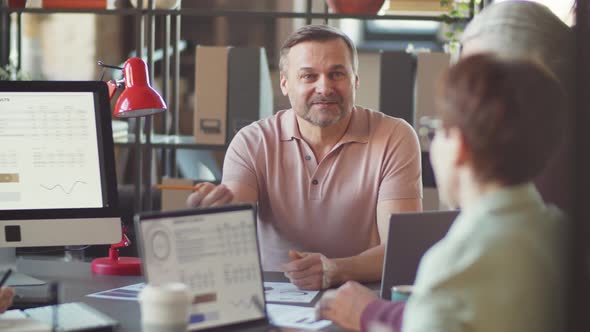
x: 410, y: 236
x: 215, y: 252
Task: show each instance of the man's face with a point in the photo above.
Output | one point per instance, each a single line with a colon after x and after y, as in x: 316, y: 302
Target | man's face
x: 444, y: 153
x: 320, y: 81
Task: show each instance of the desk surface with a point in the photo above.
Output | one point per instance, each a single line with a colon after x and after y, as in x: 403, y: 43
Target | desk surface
x: 76, y: 281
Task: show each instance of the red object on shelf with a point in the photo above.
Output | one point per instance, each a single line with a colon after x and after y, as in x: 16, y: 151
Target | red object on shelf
x: 355, y: 6
x: 17, y: 3
x: 115, y: 265
x: 77, y: 4
x: 138, y: 98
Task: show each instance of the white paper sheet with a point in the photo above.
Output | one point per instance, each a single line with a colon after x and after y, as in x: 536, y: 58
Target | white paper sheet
x: 287, y: 292
x: 127, y: 293
x: 295, y: 317
x: 18, y: 321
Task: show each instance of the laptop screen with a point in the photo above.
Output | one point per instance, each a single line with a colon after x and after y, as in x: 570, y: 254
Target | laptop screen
x: 410, y: 236
x: 215, y: 252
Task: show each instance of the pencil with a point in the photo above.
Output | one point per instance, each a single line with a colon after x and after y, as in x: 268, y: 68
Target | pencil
x: 5, y: 277
x: 176, y: 187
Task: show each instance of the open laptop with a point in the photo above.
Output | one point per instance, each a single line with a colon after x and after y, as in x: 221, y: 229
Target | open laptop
x: 215, y: 252
x: 410, y: 236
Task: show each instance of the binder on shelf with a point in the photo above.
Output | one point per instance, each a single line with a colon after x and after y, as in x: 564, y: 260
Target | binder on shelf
x: 211, y: 87
x: 369, y: 70
x: 249, y: 88
x: 430, y: 67
x: 232, y: 89
x: 397, y: 85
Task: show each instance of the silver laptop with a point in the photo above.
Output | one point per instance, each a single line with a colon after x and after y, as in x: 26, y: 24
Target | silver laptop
x: 215, y: 252
x: 410, y: 236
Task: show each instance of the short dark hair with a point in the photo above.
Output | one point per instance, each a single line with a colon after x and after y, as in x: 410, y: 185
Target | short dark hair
x: 507, y: 112
x: 316, y: 33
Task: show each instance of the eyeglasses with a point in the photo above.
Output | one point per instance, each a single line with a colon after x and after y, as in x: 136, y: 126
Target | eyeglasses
x: 427, y: 126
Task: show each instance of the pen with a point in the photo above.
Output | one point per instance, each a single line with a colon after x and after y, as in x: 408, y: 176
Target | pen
x: 176, y: 187
x: 5, y: 277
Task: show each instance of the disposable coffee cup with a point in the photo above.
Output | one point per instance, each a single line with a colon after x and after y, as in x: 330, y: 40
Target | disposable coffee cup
x: 401, y: 292
x: 165, y: 308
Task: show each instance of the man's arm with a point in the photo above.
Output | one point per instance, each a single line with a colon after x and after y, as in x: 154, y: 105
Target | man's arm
x: 368, y: 265
x: 239, y: 174
x: 242, y: 193
x: 228, y: 192
x: 315, y: 271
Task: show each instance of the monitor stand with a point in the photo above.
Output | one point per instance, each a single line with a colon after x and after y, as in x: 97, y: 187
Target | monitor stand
x: 8, y: 261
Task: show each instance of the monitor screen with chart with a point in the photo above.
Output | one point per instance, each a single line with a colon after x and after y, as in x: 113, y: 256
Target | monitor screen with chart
x: 57, y: 174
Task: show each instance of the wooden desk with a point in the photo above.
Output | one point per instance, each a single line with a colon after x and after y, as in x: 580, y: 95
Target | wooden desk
x: 76, y: 281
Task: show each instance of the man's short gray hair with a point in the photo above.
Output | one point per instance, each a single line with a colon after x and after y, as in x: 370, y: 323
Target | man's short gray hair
x: 316, y: 33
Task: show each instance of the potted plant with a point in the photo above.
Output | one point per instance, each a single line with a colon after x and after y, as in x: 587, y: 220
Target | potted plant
x: 456, y: 10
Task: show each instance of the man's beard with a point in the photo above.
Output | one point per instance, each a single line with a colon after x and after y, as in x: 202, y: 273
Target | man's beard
x: 310, y: 117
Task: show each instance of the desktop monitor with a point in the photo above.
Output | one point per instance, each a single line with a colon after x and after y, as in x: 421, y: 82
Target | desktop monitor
x: 57, y: 173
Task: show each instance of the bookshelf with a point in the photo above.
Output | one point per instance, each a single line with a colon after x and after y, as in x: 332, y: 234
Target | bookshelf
x: 142, y: 23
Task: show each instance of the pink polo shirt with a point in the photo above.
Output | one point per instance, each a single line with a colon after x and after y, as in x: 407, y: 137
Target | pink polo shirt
x: 329, y: 205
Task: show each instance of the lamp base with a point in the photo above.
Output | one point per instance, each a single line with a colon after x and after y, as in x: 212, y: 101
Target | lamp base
x: 123, y: 266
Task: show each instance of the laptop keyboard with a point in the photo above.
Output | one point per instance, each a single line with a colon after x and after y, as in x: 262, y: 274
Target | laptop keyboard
x: 75, y: 316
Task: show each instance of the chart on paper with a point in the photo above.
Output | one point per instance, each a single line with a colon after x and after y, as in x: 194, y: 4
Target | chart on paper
x: 50, y: 155
x: 287, y: 292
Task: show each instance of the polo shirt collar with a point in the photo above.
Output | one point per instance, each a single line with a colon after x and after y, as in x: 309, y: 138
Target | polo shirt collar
x: 357, y: 131
x: 289, y: 126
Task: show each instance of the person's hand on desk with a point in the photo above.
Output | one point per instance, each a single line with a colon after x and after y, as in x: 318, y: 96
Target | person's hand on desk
x: 344, y: 306
x: 209, y: 194
x: 309, y: 270
x: 6, y: 296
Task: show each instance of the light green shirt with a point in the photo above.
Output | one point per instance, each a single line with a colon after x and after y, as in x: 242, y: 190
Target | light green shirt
x: 500, y: 268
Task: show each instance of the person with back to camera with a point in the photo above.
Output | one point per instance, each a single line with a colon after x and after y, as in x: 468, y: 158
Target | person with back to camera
x: 325, y: 174
x: 529, y: 30
x: 500, y: 266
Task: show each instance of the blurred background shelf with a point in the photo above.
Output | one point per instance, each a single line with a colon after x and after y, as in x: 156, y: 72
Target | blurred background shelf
x: 169, y: 141
x: 167, y: 40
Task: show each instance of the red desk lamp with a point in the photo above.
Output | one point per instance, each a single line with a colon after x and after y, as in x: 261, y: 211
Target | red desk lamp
x: 115, y: 265
x: 137, y: 100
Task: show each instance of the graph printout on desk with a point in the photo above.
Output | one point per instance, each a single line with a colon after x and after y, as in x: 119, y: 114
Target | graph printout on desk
x: 47, y: 160
x: 213, y: 251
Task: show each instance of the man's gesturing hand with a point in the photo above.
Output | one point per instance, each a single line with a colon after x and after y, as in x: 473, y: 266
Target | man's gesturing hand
x: 309, y: 270
x: 209, y: 194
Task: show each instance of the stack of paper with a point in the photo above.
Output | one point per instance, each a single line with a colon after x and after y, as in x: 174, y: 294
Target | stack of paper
x: 17, y: 321
x: 120, y: 128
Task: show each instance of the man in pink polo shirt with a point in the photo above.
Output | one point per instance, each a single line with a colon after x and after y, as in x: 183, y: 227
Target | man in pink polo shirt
x: 326, y: 174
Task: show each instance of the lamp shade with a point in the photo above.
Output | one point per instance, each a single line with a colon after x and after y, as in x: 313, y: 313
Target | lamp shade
x: 139, y: 98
